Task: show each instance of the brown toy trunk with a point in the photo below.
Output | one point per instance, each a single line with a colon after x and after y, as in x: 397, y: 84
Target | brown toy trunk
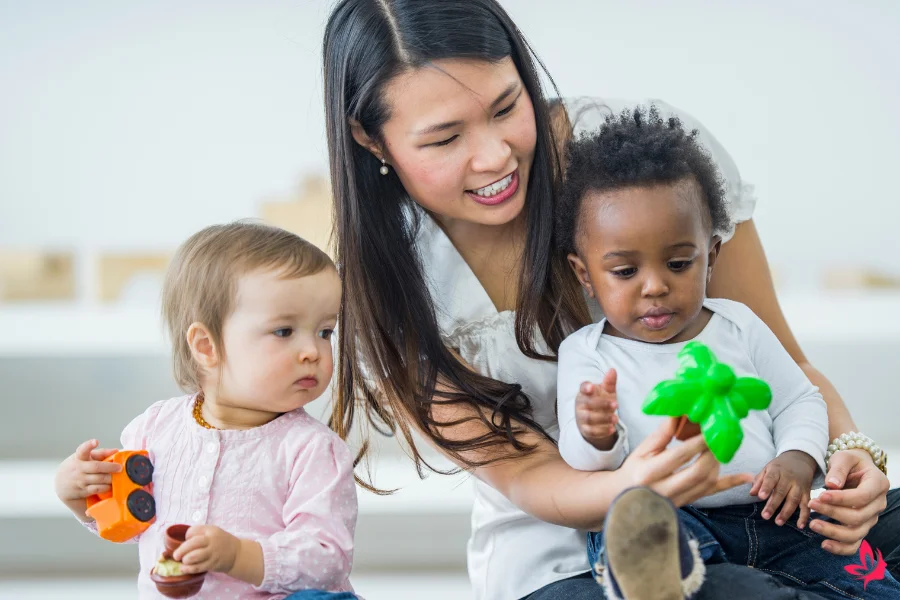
x: 686, y: 429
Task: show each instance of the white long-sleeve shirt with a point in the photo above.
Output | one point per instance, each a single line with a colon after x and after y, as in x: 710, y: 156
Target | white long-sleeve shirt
x: 795, y: 420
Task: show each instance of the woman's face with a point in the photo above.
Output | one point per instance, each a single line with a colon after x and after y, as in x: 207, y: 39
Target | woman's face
x: 461, y: 137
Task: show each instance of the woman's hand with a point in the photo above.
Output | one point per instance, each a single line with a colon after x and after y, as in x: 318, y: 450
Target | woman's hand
x: 856, y: 494
x: 653, y: 465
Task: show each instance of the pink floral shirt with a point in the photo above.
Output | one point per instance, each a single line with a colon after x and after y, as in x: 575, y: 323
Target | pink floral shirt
x: 287, y: 484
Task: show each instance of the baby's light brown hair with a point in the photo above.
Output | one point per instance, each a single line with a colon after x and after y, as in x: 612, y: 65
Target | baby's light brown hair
x: 201, y: 281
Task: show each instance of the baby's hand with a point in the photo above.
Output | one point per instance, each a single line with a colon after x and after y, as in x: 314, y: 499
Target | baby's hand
x: 786, y: 478
x: 85, y: 473
x: 595, y: 412
x: 207, y: 548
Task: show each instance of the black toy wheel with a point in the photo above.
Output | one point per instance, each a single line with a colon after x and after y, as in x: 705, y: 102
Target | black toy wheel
x: 139, y: 469
x: 141, y: 505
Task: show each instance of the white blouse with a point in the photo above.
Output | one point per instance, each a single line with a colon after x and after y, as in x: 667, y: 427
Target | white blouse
x: 511, y: 554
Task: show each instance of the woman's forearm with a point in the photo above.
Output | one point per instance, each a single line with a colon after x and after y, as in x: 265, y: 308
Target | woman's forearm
x: 539, y: 482
x: 550, y: 490
x: 839, y: 418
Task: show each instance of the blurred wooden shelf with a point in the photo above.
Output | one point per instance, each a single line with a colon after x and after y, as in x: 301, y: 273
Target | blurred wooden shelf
x: 30, y: 276
x: 308, y: 214
x: 115, y: 271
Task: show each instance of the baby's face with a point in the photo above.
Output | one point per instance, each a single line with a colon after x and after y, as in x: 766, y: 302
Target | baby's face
x: 646, y: 255
x: 278, y: 340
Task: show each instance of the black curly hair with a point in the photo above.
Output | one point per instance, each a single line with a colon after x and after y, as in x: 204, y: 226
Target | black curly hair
x: 634, y: 149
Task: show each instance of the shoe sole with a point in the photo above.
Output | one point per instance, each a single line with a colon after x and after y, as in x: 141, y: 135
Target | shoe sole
x: 642, y: 546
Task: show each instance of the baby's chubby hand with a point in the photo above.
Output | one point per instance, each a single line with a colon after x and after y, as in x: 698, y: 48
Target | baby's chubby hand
x: 595, y: 412
x: 85, y: 473
x: 786, y: 479
x: 207, y: 548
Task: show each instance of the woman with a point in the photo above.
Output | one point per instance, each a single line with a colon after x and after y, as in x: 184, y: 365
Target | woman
x: 444, y: 171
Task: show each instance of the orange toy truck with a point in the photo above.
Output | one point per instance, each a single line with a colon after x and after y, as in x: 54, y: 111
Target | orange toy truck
x: 128, y: 509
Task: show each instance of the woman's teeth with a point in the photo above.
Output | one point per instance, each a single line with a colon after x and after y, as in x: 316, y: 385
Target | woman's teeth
x: 495, y: 188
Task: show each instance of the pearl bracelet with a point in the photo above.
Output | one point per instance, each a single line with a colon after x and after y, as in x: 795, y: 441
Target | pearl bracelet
x: 856, y: 440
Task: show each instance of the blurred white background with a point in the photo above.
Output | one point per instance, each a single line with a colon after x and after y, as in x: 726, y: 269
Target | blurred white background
x: 127, y: 126
x: 133, y: 124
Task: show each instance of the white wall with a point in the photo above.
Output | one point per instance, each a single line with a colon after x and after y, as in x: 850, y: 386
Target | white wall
x: 128, y: 124
x: 134, y: 124
x: 805, y: 95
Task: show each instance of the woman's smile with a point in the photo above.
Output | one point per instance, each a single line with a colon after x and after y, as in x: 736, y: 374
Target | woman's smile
x: 497, y: 192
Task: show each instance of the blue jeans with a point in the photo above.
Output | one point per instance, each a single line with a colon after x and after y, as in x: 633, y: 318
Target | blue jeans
x: 738, y: 582
x: 739, y: 535
x: 734, y: 582
x: 320, y: 595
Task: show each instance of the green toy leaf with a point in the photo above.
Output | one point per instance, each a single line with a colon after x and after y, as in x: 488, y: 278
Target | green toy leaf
x: 722, y: 432
x: 695, y: 355
x: 755, y: 392
x: 700, y: 410
x: 710, y: 394
x: 672, y: 398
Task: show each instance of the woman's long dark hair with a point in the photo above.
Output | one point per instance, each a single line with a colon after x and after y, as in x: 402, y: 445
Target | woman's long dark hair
x: 392, y: 354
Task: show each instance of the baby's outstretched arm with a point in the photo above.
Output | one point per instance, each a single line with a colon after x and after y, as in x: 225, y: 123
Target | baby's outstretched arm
x: 84, y: 474
x: 591, y: 436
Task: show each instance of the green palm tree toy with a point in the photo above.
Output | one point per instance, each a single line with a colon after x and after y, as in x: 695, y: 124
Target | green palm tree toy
x: 707, y: 392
